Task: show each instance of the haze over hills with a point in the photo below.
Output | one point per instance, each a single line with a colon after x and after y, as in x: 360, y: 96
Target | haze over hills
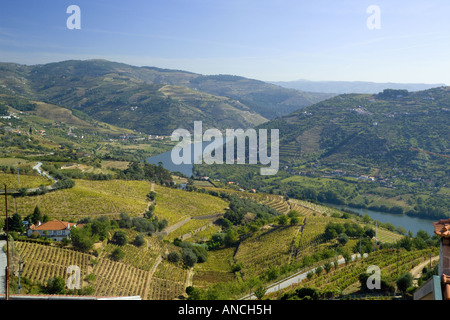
x: 152, y: 100
x: 340, y: 87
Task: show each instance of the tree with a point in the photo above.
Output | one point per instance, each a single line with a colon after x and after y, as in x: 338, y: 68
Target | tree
x: 319, y: 270
x: 120, y: 238
x: 139, y: 241
x: 327, y: 266
x: 347, y: 256
x: 174, y: 257
x: 151, y: 196
x: 15, y: 223
x: 162, y: 224
x: 37, y: 215
x: 125, y: 221
x: 117, y: 254
x: 260, y: 292
x: 189, y: 257
x: 294, y: 221
x: 55, y: 286
x: 404, y: 282
x: 101, y: 227
x: 283, y: 220
x: 342, y: 239
x: 82, y: 238
x: 231, y: 237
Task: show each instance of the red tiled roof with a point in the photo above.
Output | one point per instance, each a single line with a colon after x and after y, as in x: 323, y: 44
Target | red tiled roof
x: 442, y: 228
x: 52, y: 225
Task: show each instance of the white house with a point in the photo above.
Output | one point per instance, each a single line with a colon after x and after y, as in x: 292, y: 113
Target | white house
x: 55, y: 229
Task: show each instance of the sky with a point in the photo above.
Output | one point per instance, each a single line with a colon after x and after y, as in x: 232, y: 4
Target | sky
x: 269, y: 40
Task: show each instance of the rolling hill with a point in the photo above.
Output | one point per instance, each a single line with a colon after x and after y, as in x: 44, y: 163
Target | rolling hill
x: 375, y: 131
x: 149, y: 99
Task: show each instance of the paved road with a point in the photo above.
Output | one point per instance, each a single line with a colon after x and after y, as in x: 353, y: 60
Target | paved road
x: 37, y: 167
x: 2, y: 266
x: 296, y: 278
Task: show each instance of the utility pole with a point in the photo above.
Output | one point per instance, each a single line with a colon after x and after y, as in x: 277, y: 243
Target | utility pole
x: 7, y: 248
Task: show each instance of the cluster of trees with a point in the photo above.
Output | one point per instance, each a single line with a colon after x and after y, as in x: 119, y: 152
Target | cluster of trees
x: 422, y: 240
x: 147, y: 171
x: 239, y: 207
x: 343, y: 231
x: 92, y: 231
x: 147, y: 224
x: 16, y: 223
x: 101, y: 229
x: 191, y: 253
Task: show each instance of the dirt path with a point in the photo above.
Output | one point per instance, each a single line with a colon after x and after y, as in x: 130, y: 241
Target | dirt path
x: 149, y: 277
x: 417, y: 271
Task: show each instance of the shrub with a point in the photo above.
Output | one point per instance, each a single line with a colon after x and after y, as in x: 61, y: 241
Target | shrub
x: 120, y: 238
x: 117, y: 254
x: 189, y: 257
x: 139, y: 241
x: 174, y: 257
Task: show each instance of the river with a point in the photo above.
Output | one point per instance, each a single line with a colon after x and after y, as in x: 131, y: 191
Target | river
x: 408, y: 223
x: 166, y: 160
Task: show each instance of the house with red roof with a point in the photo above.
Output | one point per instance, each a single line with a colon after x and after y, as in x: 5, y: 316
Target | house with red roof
x: 54, y: 229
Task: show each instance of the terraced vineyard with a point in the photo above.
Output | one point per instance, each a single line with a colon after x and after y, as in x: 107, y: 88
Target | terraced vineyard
x: 337, y: 280
x: 119, y: 279
x: 44, y: 262
x: 168, y: 282
x: 188, y: 228
x: 317, y: 208
x: 277, y: 244
x: 276, y: 202
x: 89, y: 198
x: 136, y: 257
x: 216, y: 269
x: 175, y: 205
x: 15, y: 181
x: 142, y: 271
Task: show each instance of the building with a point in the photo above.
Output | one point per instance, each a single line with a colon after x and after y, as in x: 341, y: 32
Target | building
x: 438, y: 287
x: 55, y: 229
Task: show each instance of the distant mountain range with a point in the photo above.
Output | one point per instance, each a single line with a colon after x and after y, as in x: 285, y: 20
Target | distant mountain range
x: 339, y: 87
x: 152, y: 100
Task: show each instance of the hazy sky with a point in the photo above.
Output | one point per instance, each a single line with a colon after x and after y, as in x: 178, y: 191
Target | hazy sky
x: 272, y: 40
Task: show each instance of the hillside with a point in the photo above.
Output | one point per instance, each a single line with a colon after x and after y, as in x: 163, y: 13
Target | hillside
x: 376, y: 131
x: 152, y: 100
x: 145, y: 267
x: 340, y: 87
x: 386, y: 152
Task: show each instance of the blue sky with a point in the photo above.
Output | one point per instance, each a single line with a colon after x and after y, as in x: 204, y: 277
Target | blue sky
x: 271, y: 40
